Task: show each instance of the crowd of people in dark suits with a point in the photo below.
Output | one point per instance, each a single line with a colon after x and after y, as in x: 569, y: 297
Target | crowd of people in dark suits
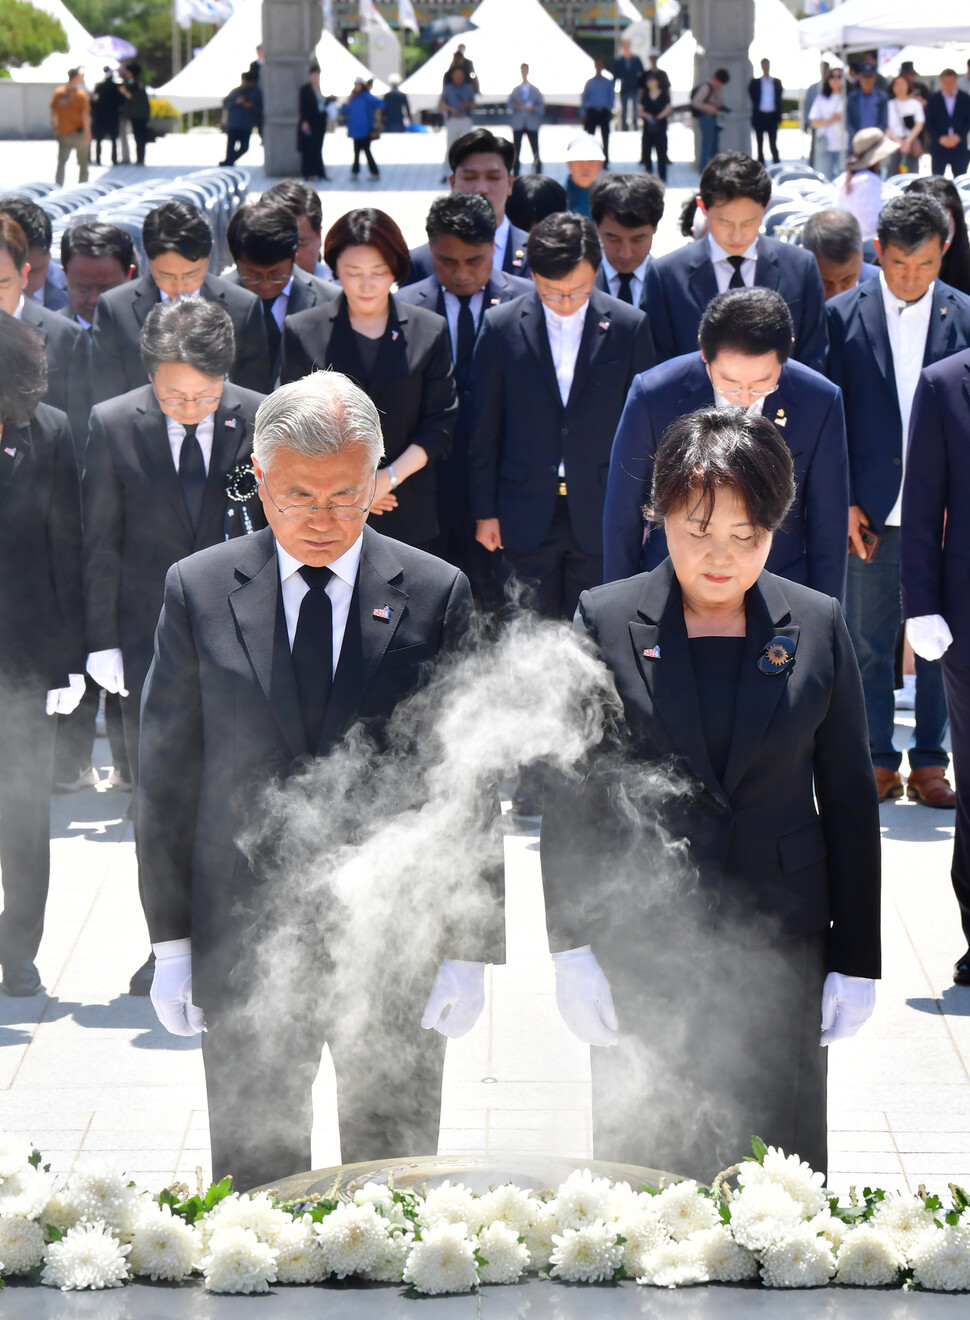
x: 701, y: 456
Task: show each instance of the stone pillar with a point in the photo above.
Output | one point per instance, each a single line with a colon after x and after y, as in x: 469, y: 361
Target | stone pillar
x: 291, y: 30
x: 724, y: 29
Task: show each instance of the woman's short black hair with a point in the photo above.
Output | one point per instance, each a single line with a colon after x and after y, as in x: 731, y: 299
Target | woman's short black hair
x: 467, y: 216
x: 631, y: 199
x: 176, y: 227
x: 560, y: 242
x: 955, y: 270
x: 533, y: 197
x: 264, y: 232
x: 23, y: 381
x: 752, y: 321
x: 712, y: 448
x: 368, y: 227
x: 732, y: 174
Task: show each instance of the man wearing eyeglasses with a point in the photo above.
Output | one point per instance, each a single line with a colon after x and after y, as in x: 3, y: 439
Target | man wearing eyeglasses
x: 155, y: 489
x: 744, y: 361
x: 269, y: 652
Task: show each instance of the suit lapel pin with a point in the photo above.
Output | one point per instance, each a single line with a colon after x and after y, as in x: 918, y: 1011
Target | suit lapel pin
x: 604, y: 325
x: 383, y: 613
x: 943, y: 311
x: 777, y: 656
x: 231, y: 421
x: 393, y: 335
x: 652, y: 653
x: 494, y: 302
x: 780, y: 418
x: 10, y: 452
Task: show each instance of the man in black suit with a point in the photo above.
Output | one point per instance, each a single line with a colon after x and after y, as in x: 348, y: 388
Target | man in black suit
x: 45, y: 283
x: 178, y: 242
x: 41, y: 636
x: 461, y: 240
x: 167, y: 472
x: 303, y: 203
x: 883, y: 332
x: 947, y: 126
x: 734, y: 195
x: 482, y: 163
x: 264, y: 238
x: 626, y: 210
x: 268, y: 652
x: 764, y: 94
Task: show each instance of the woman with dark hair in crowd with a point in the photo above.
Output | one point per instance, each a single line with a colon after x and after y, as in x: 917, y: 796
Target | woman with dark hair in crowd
x: 955, y: 270
x: 399, y: 354
x: 711, y: 877
x: 533, y: 197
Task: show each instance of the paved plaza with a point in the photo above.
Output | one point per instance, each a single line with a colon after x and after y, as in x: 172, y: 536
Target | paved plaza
x: 86, y: 1070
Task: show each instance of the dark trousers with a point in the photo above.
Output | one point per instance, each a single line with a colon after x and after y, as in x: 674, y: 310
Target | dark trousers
x: 873, y: 611
x: 956, y: 679
x: 363, y: 145
x: 958, y: 158
x: 106, y: 137
x: 311, y: 156
x: 139, y: 131
x: 533, y: 135
x: 76, y: 732
x: 710, y: 130
x: 765, y: 124
x: 237, y: 144
x: 557, y: 570
x: 628, y: 108
x: 655, y: 140
x: 26, y: 766
x: 259, y: 1069
x: 599, y: 119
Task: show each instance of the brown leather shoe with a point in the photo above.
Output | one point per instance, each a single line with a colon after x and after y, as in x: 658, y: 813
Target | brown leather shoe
x: 889, y: 783
x: 930, y: 786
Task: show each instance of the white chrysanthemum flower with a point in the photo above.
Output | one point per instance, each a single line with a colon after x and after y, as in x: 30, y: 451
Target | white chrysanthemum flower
x: 582, y: 1199
x: 88, y: 1256
x: 831, y: 1227
x: 257, y: 1213
x: 790, y: 1173
x: 443, y: 1261
x: 60, y: 1209
x: 672, y: 1265
x: 683, y: 1209
x: 15, y: 1155
x: 538, y: 1235
x: 390, y: 1267
x: 163, y: 1246
x: 624, y: 1203
x: 722, y: 1259
x: 941, y: 1259
x: 379, y: 1195
x: 353, y: 1239
x: 762, y: 1215
x: 868, y: 1258
x: 22, y: 1243
x: 237, y: 1262
x: 643, y: 1232
x: 100, y: 1191
x: 299, y: 1253
x: 905, y: 1219
x: 801, y: 1259
x: 508, y: 1258
x: 26, y: 1192
x: 509, y: 1205
x: 451, y: 1204
x: 587, y: 1254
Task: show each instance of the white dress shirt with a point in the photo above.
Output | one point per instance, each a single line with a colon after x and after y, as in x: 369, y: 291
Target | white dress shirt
x: 204, y: 434
x: 166, y: 297
x: 767, y: 103
x: 501, y: 242
x: 908, y: 325
x: 565, y: 334
x: 950, y: 102
x: 453, y: 307
x: 340, y: 589
x: 754, y: 409
x: 636, y: 283
x: 281, y: 302
x: 723, y: 270
x: 18, y: 311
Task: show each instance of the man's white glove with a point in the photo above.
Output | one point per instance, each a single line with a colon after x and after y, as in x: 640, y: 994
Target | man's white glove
x: 108, y: 670
x: 584, y: 997
x: 457, y: 998
x: 847, y: 1004
x: 171, y: 994
x: 62, y: 701
x: 929, y: 635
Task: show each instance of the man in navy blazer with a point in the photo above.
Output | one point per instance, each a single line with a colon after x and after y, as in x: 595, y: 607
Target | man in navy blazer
x: 626, y: 210
x: 947, y: 125
x: 745, y: 340
x: 936, y: 575
x: 734, y: 195
x: 876, y: 361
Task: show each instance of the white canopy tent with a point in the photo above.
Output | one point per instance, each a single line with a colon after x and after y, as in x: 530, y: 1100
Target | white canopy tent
x: 508, y: 33
x: 215, y: 71
x: 54, y: 68
x: 873, y: 23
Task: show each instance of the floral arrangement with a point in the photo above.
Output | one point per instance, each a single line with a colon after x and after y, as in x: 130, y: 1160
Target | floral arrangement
x: 98, y: 1230
x: 159, y: 108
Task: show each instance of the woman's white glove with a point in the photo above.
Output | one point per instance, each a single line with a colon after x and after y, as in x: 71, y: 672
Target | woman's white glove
x: 847, y: 1004
x: 929, y: 636
x: 457, y: 998
x: 62, y: 701
x: 584, y: 997
x: 171, y: 995
x: 108, y: 670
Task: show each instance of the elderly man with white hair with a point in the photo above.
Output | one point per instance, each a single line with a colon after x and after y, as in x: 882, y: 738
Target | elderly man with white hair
x: 270, y: 651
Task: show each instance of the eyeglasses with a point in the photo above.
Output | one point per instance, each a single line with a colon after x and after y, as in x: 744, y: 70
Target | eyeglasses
x: 203, y: 400
x: 577, y: 296
x: 303, y: 512
x: 254, y: 281
x: 734, y: 394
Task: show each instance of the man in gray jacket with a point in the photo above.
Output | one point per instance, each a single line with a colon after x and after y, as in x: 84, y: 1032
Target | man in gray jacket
x: 527, y: 108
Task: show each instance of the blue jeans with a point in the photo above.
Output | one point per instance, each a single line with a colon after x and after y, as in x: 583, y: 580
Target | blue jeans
x: 873, y: 612
x: 710, y: 139
x: 828, y: 162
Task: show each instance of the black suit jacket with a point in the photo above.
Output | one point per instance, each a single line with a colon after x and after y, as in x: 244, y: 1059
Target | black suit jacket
x: 308, y: 112
x: 603, y: 284
x: 787, y: 845
x: 413, y: 387
x: 754, y: 96
x: 521, y: 430
x: 681, y: 283
x: 307, y: 291
x: 68, y: 366
x: 940, y: 124
x: 514, y: 262
x: 116, y: 365
x: 135, y: 521
x: 41, y: 621
x: 221, y: 719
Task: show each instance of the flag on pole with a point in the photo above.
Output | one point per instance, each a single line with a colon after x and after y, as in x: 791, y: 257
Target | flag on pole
x: 407, y: 19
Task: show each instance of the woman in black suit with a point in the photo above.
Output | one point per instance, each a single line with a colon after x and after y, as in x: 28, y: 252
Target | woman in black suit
x: 399, y: 355
x: 312, y: 111
x: 712, y: 880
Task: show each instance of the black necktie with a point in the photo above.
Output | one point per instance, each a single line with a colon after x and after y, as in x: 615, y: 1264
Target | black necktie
x: 466, y: 340
x: 736, y: 281
x: 273, y: 335
x: 192, y: 475
x: 625, y: 293
x: 313, y: 652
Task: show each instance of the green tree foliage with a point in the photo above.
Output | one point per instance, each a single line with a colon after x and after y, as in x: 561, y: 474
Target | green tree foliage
x: 27, y: 35
x: 147, y: 24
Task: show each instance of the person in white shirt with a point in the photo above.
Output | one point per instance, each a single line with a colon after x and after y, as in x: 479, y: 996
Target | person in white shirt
x: 860, y: 186
x: 827, y: 120
x: 906, y: 119
x: 626, y: 210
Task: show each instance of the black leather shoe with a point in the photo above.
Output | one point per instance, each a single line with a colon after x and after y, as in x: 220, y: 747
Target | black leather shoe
x: 20, y: 978
x: 141, y: 982
x: 961, y: 973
